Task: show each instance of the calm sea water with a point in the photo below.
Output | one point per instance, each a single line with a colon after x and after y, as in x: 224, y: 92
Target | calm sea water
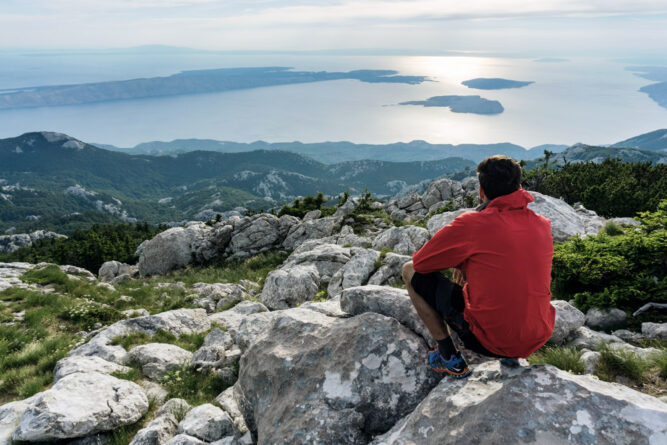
x: 581, y: 100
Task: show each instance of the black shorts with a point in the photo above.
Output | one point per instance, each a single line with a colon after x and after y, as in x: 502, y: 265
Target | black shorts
x: 447, y: 299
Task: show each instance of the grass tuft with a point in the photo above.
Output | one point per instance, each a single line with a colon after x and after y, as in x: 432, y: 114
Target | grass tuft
x: 565, y: 358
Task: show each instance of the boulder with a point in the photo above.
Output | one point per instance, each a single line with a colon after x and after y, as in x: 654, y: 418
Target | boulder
x: 206, y: 422
x: 405, y: 240
x: 655, y: 330
x: 605, y: 319
x: 290, y: 286
x: 228, y: 403
x: 327, y: 258
x: 158, y: 431
x: 441, y: 190
x: 590, y: 360
x: 536, y: 404
x: 79, y: 405
x: 590, y: 339
x: 216, y: 352
x: 389, y: 272
x: 184, y: 439
x: 10, y: 275
x: 355, y: 272
x: 629, y: 336
x: 568, y: 320
x: 309, y: 230
x: 309, y: 378
x: 10, y: 415
x: 218, y: 296
x: 156, y: 359
x: 470, y: 185
x: 384, y: 300
x: 566, y: 222
x: 440, y: 220
x: 408, y: 200
x: 72, y: 364
x: 111, y: 270
x: 257, y: 233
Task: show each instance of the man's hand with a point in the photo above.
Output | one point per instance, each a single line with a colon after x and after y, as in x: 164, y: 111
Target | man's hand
x: 458, y: 277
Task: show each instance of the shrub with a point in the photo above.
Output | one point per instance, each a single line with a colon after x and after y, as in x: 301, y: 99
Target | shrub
x: 186, y: 383
x: 300, y: 207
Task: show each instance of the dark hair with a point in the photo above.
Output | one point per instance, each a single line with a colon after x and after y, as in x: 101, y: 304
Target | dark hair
x: 499, y: 175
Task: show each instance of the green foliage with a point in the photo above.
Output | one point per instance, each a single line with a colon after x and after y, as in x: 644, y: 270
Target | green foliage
x: 190, y: 342
x: 88, y: 248
x: 134, y: 374
x: 611, y: 188
x: 300, y: 207
x: 382, y: 256
x: 470, y: 200
x: 186, y: 383
x: 565, y: 358
x: 626, y: 364
x: 624, y: 270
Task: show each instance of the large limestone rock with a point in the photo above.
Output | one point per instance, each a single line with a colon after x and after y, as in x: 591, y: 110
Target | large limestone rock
x: 605, y: 319
x: 290, y: 286
x: 389, y: 272
x: 206, y: 422
x: 10, y: 415
x: 310, y: 378
x: 180, y: 246
x: 355, y: 272
x: 440, y: 220
x: 72, y: 364
x: 232, y: 318
x: 156, y: 359
x: 228, y: 403
x: 384, y: 300
x: 217, y: 296
x: 111, y: 271
x: 12, y: 243
x: 258, y: 233
x: 79, y: 405
x: 177, y: 322
x: 566, y: 222
x: 655, y: 330
x: 405, y: 240
x: 568, y: 320
x: 327, y: 258
x: 441, y: 190
x: 10, y: 275
x: 311, y: 229
x: 538, y: 404
x: 590, y: 339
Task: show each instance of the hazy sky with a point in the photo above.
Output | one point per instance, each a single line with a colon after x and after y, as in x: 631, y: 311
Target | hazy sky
x: 616, y: 27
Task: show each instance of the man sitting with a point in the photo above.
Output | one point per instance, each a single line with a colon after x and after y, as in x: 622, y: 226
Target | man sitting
x: 502, y: 257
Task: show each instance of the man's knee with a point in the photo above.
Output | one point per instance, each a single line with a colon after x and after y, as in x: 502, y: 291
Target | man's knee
x: 407, y: 272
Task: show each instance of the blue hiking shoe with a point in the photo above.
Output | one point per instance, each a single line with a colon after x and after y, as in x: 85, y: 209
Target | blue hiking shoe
x: 510, y: 362
x: 456, y: 366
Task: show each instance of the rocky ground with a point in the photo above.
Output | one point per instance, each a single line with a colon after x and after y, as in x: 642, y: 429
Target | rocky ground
x: 326, y: 348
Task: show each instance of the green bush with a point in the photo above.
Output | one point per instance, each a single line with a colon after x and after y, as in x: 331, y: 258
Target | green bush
x: 625, y: 270
x: 300, y: 207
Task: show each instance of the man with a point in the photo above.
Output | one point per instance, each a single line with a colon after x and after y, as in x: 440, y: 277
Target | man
x: 502, y: 257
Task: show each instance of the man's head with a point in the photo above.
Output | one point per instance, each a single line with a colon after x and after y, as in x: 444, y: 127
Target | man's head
x: 498, y: 175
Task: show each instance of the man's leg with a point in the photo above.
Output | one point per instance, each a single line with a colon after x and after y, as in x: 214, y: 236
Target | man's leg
x: 431, y: 318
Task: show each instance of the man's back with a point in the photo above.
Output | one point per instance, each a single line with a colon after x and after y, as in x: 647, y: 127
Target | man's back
x: 505, y: 252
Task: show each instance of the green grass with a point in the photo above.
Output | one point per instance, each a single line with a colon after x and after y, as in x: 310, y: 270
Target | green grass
x: 186, y: 383
x: 133, y: 375
x: 565, y: 358
x: 383, y: 255
x: 626, y: 364
x: 190, y: 342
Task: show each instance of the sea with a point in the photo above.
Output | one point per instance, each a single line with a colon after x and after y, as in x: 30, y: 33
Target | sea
x: 594, y: 101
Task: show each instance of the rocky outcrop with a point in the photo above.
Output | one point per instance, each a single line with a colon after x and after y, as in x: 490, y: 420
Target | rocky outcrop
x: 605, y: 319
x: 439, y: 193
x: 389, y: 273
x: 568, y: 320
x: 12, y: 243
x: 311, y: 229
x: 219, y: 296
x: 539, y: 404
x: 566, y: 221
x: 206, y: 422
x: 164, y: 426
x: 259, y: 233
x: 156, y: 359
x: 71, y: 365
x: 404, y: 240
x: 290, y: 286
x: 327, y: 258
x: 79, y: 405
x: 116, y: 272
x: 655, y: 330
x: 355, y: 272
x: 310, y: 378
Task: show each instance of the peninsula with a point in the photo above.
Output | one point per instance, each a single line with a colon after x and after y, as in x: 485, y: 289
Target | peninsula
x: 461, y: 104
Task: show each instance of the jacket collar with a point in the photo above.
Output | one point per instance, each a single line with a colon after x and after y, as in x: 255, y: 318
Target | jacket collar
x: 515, y: 200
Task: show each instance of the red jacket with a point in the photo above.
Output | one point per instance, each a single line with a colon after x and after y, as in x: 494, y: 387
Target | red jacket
x: 505, y: 252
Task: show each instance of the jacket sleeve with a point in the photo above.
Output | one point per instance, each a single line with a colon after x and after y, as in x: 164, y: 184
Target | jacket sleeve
x: 449, y: 247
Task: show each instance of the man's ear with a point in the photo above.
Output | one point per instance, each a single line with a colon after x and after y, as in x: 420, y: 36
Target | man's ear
x: 482, y: 195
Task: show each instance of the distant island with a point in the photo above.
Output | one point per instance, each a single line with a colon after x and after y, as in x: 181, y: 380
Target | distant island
x: 461, y: 104
x: 186, y: 82
x: 494, y: 83
x: 656, y: 91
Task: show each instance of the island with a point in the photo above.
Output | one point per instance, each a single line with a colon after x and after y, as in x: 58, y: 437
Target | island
x: 656, y: 91
x: 186, y: 82
x: 494, y: 83
x: 461, y: 104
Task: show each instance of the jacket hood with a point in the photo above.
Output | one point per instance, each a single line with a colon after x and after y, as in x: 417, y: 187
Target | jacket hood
x: 515, y: 200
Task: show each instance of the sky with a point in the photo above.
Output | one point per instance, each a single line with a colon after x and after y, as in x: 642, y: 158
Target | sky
x: 553, y: 27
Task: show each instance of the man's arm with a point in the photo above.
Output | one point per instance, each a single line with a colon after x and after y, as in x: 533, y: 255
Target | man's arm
x: 449, y: 247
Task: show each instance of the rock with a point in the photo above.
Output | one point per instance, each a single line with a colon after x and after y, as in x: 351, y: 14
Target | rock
x: 566, y: 222
x: 206, y: 422
x: 133, y: 313
x: 290, y: 286
x: 440, y: 220
x: 219, y: 296
x: 655, y: 330
x: 313, y: 214
x: 590, y: 359
x: 347, y: 238
x: 346, y: 209
x: 176, y: 322
x: 309, y: 230
x: 184, y: 439
x: 384, y: 300
x: 628, y: 336
x: 587, y: 338
x: 73, y: 364
x: 536, y: 404
x: 404, y: 240
x: 156, y: 359
x: 12, y: 243
x: 256, y: 234
x: 157, y: 432
x: 441, y: 190
x: 408, y: 200
x: 232, y: 318
x: 390, y: 271
x: 568, y: 320
x: 177, y: 247
x: 78, y: 272
x: 355, y: 272
x: 10, y: 275
x: 113, y: 269
x: 330, y: 308
x: 605, y: 319
x: 310, y: 378
x: 327, y: 258
x: 470, y: 185
x: 154, y: 391
x: 228, y: 403
x: 82, y: 404
x: 10, y: 415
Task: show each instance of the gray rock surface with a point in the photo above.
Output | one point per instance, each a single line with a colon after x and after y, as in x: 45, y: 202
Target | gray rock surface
x: 355, y: 272
x: 327, y: 258
x: 10, y: 415
x: 289, y: 286
x: 82, y: 404
x: 566, y: 222
x: 258, y: 233
x: 568, y: 320
x: 655, y: 330
x: 310, y: 378
x: 605, y: 319
x: 156, y: 359
x: 157, y: 432
x: 590, y: 359
x: 228, y: 403
x: 184, y: 439
x: 590, y: 339
x: 404, y: 240
x: 11, y: 273
x: 232, y: 318
x: 111, y: 270
x: 538, y: 404
x: 217, y: 296
x: 12, y: 243
x: 389, y: 272
x: 72, y: 364
x: 206, y: 422
x: 437, y: 222
x: 311, y: 229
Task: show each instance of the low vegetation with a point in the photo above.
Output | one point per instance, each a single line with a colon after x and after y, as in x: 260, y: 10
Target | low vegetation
x: 197, y: 388
x: 565, y: 358
x: 190, y: 342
